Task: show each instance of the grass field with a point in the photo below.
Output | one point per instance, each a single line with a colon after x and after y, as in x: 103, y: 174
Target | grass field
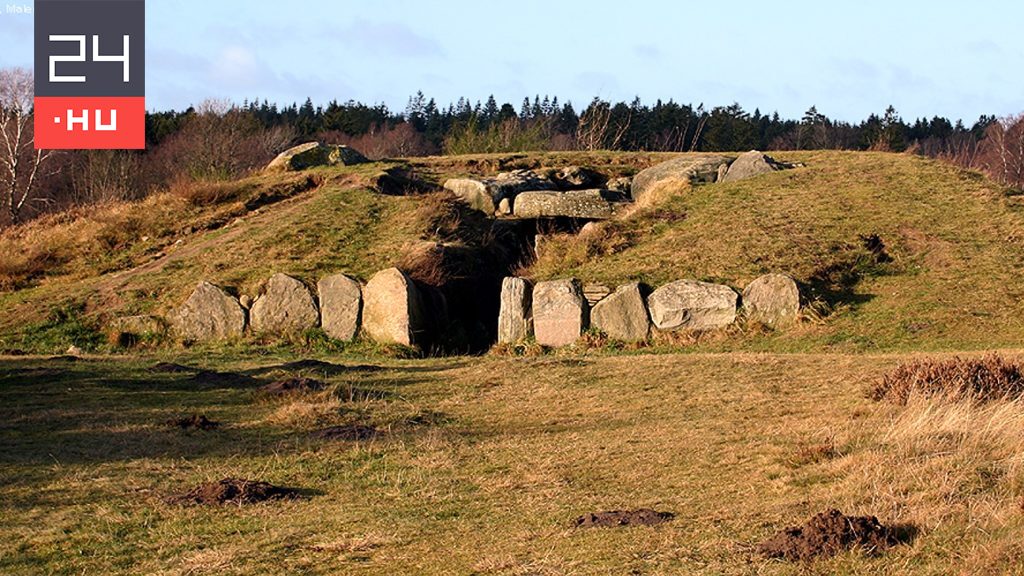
x: 482, y: 464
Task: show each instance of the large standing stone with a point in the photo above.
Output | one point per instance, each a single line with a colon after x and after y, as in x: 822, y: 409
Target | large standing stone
x: 393, y: 309
x: 692, y: 305
x: 315, y: 154
x: 685, y: 170
x: 750, y: 164
x: 623, y: 314
x: 773, y: 299
x: 559, y: 312
x: 209, y: 314
x: 286, y: 306
x: 486, y: 194
x: 515, y: 317
x: 341, y: 300
x: 589, y: 204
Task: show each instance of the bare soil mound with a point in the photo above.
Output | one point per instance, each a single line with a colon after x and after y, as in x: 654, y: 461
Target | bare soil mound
x: 348, y: 433
x: 827, y: 534
x: 222, y: 379
x: 234, y: 491
x: 193, y: 421
x: 170, y: 368
x: 289, y: 386
x: 640, y: 517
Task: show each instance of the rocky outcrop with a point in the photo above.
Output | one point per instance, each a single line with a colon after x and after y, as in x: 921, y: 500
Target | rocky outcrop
x: 772, y: 299
x: 515, y: 317
x: 559, y: 312
x: 622, y: 315
x: 209, y: 314
x: 313, y: 154
x: 692, y: 305
x: 286, y: 307
x: 341, y: 301
x: 393, y: 309
x: 681, y: 171
x: 753, y: 163
x: 577, y: 178
x: 587, y: 204
x: 486, y: 194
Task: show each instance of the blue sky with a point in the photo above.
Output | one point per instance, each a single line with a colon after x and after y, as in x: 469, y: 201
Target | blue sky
x: 850, y: 59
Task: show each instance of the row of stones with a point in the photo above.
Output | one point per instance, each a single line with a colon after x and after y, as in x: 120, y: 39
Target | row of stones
x: 557, y: 312
x: 583, y: 193
x: 388, y: 309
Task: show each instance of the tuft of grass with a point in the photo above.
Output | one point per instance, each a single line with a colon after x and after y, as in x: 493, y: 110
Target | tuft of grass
x: 973, y: 379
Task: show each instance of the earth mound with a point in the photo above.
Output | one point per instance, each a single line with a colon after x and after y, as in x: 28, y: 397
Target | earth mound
x: 827, y: 534
x: 234, y: 491
x: 348, y: 433
x: 614, y: 518
x: 289, y: 386
x: 194, y: 421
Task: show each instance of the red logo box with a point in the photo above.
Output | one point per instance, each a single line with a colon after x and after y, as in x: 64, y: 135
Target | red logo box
x: 69, y: 123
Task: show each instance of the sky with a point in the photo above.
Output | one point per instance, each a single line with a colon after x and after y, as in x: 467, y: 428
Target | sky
x: 849, y: 59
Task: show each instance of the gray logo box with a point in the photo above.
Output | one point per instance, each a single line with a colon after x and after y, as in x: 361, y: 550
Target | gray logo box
x: 109, y: 20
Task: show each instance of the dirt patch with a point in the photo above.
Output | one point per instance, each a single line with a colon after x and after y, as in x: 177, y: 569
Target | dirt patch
x: 614, y: 518
x: 170, y: 368
x: 194, y: 422
x: 322, y: 367
x: 289, y: 386
x: 975, y: 379
x: 223, y: 379
x: 827, y: 534
x: 234, y: 491
x: 347, y: 433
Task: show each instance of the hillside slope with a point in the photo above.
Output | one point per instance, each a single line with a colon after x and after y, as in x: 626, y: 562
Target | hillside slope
x: 943, y: 273
x: 893, y: 251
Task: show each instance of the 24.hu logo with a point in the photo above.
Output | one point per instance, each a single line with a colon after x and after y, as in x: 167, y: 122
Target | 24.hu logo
x: 90, y: 74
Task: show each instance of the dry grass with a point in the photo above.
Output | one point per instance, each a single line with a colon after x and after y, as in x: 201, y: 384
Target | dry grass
x: 485, y: 463
x: 972, y: 379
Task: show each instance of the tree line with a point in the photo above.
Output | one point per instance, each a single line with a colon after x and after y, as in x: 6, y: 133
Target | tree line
x: 221, y: 140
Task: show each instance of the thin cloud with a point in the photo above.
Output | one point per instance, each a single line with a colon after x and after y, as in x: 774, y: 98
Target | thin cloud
x: 390, y: 39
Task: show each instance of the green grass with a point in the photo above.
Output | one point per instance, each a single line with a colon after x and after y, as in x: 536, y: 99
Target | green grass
x: 953, y: 236
x: 486, y: 462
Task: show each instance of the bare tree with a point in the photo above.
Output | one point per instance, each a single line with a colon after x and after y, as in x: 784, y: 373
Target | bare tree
x: 1002, y: 151
x: 19, y: 161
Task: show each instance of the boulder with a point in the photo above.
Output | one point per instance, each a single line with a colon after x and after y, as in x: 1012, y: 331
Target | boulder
x: 681, y: 171
x: 773, y: 299
x: 589, y: 204
x: 486, y: 194
x: 286, y: 306
x: 559, y: 312
x: 515, y: 317
x: 209, y: 314
x: 393, y: 310
x: 577, y: 178
x: 692, y: 305
x: 623, y: 314
x: 137, y: 325
x: 753, y: 163
x: 341, y: 300
x: 127, y: 330
x: 313, y: 154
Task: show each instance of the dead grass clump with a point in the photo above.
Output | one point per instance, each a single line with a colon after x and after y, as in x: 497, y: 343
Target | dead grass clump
x: 205, y: 193
x: 814, y: 452
x: 975, y: 379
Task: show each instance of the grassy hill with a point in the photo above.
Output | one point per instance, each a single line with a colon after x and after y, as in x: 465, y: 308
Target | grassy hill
x: 893, y: 252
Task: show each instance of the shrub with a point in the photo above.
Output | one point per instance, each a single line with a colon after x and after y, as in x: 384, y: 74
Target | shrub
x: 975, y: 379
